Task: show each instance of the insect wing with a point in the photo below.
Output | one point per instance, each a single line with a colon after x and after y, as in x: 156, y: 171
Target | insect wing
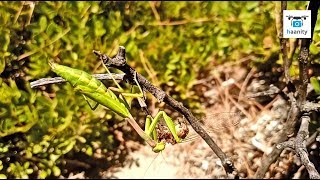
x: 216, y: 123
x: 221, y: 121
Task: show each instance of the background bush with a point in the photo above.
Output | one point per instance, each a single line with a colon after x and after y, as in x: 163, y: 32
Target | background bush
x: 171, y: 43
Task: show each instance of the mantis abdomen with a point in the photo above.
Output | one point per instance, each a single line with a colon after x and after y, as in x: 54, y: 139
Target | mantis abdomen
x: 91, y: 87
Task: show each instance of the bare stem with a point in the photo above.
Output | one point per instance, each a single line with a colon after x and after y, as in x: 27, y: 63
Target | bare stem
x: 45, y: 81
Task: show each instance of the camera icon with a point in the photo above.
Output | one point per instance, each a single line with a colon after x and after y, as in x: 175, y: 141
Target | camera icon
x: 296, y: 23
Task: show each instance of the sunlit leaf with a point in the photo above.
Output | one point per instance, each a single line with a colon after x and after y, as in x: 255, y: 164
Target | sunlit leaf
x: 315, y: 84
x: 43, y: 23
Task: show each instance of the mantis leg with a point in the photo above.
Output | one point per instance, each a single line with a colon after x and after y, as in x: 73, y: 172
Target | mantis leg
x: 130, y: 95
x: 169, y: 123
x: 148, y: 122
x: 117, y: 84
x: 92, y: 108
x: 134, y: 95
x: 119, y: 89
x: 126, y: 97
x: 142, y: 101
x: 137, y: 83
x: 160, y: 145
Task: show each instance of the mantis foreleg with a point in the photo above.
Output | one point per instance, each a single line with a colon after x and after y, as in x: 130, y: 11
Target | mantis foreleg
x: 160, y: 145
x: 169, y: 123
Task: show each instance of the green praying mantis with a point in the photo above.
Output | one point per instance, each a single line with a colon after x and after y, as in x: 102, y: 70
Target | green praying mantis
x: 92, y: 88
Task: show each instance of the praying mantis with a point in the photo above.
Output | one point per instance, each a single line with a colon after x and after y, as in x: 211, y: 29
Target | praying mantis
x: 92, y: 88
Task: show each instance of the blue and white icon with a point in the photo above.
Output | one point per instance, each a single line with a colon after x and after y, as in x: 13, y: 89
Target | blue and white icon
x: 297, y: 21
x: 296, y: 24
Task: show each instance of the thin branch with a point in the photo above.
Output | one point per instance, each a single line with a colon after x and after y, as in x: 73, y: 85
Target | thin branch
x: 293, y: 114
x: 32, y: 6
x: 313, y: 138
x: 286, y: 144
x: 283, y: 41
x: 119, y: 62
x: 301, y: 150
x: 45, y: 81
x: 268, y: 159
x: 154, y: 10
x: 245, y: 83
x: 304, y: 54
x: 18, y: 13
x: 299, y: 145
x: 310, y: 106
x: 293, y: 44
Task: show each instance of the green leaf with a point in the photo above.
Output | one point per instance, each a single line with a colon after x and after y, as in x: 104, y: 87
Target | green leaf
x: 43, y: 174
x: 89, y: 151
x: 5, y: 41
x: 315, y: 83
x: 81, y: 139
x: 37, y: 149
x: 171, y: 66
x: 252, y: 5
x: 29, y: 171
x: 26, y: 165
x: 74, y: 56
x: 94, y: 8
x: 314, y: 49
x: 43, y: 23
x: 54, y: 157
x: 56, y: 171
x: 2, y: 176
x: 69, y: 147
x: 24, y: 176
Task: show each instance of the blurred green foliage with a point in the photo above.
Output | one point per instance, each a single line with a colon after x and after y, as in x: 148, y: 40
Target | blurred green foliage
x: 170, y: 43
